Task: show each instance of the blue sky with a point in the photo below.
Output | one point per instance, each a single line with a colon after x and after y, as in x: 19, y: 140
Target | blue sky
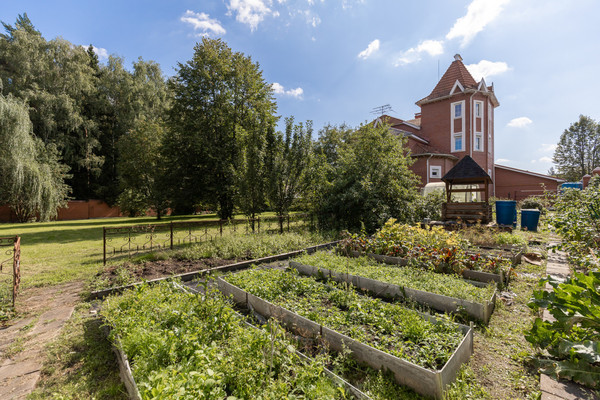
x: 333, y: 61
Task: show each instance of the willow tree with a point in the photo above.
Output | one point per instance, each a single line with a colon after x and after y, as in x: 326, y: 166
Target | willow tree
x: 31, y: 178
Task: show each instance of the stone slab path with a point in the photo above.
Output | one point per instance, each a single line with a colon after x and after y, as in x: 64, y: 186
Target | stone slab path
x: 22, y: 344
x: 552, y: 389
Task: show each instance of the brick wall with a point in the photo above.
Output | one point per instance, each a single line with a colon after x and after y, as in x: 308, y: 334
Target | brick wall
x: 76, y: 209
x: 519, y: 185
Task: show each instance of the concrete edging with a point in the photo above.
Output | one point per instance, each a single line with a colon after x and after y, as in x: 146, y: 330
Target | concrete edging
x: 436, y: 301
x: 422, y: 380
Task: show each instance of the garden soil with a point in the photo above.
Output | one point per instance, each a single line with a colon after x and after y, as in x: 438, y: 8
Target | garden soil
x: 43, y: 311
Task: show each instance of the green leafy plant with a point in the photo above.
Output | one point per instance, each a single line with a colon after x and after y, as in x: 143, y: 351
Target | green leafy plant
x: 410, y: 277
x: 392, y: 328
x: 195, y: 346
x: 571, y: 343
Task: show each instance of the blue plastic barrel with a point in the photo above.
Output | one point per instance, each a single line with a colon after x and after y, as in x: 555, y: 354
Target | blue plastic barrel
x: 530, y: 219
x: 506, y: 212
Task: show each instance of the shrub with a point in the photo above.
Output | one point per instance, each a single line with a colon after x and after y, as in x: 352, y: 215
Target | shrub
x: 534, y: 202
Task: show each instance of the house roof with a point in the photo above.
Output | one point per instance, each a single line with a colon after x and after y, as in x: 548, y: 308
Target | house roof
x: 465, y: 171
x: 522, y: 171
x: 458, y: 78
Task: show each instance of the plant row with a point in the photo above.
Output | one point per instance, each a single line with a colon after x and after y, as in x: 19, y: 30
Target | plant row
x: 394, y: 329
x: 407, y: 276
x: 434, y: 248
x: 196, y: 347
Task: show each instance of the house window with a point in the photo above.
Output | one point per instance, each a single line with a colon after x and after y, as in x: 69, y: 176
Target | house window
x: 478, y: 141
x: 457, y: 142
x: 435, y: 171
x: 457, y: 126
x: 490, y: 128
x: 458, y: 110
x: 478, y: 109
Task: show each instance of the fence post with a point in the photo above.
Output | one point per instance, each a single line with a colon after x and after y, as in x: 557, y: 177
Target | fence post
x: 221, y: 227
x: 171, y: 223
x: 16, y: 268
x: 288, y: 221
x: 258, y: 220
x: 104, y: 245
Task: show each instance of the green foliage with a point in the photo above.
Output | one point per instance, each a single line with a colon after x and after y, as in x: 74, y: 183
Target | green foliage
x: 31, y: 178
x: 577, y: 220
x: 578, y: 150
x: 367, y: 180
x: 571, y: 340
x: 288, y: 166
x: 534, y: 202
x: 409, y: 277
x: 141, y: 169
x: 429, y: 206
x: 244, y: 247
x: 189, y: 347
x: 389, y: 327
x: 435, y: 248
x: 220, y: 100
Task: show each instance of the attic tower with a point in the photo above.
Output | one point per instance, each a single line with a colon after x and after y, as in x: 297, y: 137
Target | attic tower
x: 457, y: 118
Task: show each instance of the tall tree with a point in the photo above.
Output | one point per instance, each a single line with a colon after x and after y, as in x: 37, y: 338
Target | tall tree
x: 578, y: 150
x: 31, y: 177
x: 370, y: 183
x: 141, y: 169
x: 217, y: 95
x: 291, y: 159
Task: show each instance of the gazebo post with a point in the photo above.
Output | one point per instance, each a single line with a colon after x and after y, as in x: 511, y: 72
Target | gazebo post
x: 447, y: 192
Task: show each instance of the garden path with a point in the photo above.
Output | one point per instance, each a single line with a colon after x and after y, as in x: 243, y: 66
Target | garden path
x: 552, y: 389
x: 22, y: 344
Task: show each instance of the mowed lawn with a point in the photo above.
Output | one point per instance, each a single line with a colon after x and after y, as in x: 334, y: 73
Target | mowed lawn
x: 63, y: 251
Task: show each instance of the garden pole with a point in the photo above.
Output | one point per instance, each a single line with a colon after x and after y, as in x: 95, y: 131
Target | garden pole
x: 171, y: 235
x: 104, y: 244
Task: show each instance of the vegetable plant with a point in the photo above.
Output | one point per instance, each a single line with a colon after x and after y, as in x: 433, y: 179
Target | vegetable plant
x: 392, y: 328
x: 569, y: 345
x: 407, y: 276
x: 196, y: 347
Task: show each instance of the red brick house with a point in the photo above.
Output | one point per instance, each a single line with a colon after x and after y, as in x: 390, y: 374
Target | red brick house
x: 457, y: 119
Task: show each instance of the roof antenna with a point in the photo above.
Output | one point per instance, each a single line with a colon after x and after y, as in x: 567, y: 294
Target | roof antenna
x: 380, y: 110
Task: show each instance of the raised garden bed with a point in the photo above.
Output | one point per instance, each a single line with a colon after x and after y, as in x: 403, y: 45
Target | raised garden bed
x: 479, y: 276
x: 204, y: 349
x: 394, y: 334
x: 475, y: 301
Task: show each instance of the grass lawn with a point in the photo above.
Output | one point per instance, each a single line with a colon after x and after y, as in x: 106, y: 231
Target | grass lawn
x: 63, y: 251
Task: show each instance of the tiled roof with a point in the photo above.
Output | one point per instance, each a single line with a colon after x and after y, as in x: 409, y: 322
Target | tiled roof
x: 456, y: 71
x: 416, y: 121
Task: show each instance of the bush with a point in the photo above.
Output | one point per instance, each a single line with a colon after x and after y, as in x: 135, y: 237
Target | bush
x: 429, y: 206
x: 534, y: 202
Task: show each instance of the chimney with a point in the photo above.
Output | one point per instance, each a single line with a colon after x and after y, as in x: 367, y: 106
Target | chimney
x: 418, y: 115
x: 585, y: 180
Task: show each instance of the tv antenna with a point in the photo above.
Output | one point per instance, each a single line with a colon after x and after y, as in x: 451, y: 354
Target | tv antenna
x: 381, y: 109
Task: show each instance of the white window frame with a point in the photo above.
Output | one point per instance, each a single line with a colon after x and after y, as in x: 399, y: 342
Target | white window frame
x: 490, y: 127
x: 435, y: 168
x: 461, y: 133
x: 478, y: 106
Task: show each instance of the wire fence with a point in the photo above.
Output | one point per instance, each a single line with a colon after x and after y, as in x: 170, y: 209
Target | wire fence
x: 10, y: 270
x: 135, y: 239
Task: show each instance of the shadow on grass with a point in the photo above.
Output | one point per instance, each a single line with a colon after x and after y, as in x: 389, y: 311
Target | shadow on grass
x: 80, y: 364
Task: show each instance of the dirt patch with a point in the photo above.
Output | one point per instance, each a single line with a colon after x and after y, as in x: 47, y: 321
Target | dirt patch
x: 129, y: 272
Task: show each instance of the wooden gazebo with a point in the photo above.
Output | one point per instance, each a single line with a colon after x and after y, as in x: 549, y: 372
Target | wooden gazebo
x: 467, y: 177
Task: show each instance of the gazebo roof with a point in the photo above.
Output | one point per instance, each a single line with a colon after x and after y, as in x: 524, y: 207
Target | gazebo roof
x: 466, y: 171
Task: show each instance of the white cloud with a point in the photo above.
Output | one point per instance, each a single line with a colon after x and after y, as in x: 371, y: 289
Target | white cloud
x: 371, y: 48
x: 431, y: 47
x: 548, y: 148
x: 545, y: 160
x: 485, y: 69
x: 101, y: 53
x: 502, y: 160
x: 479, y: 14
x: 203, y: 23
x: 250, y: 12
x: 279, y: 89
x: 520, y: 122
